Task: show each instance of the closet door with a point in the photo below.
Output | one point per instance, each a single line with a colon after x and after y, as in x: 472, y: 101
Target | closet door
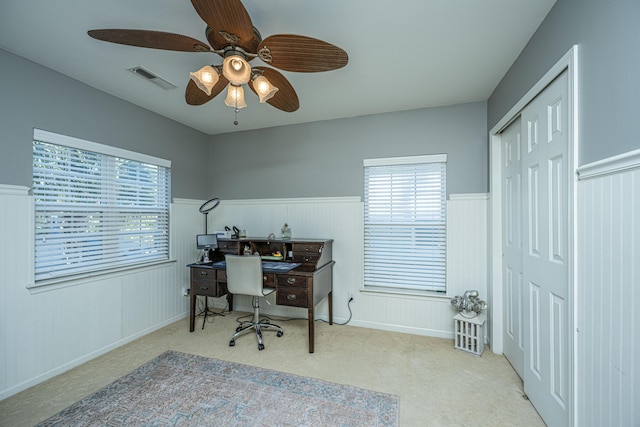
x: 545, y: 262
x: 512, y: 245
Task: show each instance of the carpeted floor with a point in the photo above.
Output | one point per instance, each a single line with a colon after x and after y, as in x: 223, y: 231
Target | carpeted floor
x: 179, y: 389
x: 437, y: 385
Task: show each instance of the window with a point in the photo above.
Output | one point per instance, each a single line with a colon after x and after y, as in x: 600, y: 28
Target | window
x: 405, y: 223
x: 96, y: 207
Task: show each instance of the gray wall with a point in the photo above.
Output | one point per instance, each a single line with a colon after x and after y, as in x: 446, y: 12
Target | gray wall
x: 324, y: 159
x: 608, y: 34
x: 32, y: 96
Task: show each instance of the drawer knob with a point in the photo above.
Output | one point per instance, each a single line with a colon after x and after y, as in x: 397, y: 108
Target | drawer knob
x: 264, y: 278
x: 291, y: 280
x: 306, y: 259
x: 291, y: 297
x: 203, y: 273
x: 204, y: 288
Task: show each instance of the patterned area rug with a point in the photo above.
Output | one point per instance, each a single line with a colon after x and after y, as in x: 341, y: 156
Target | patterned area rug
x: 178, y: 389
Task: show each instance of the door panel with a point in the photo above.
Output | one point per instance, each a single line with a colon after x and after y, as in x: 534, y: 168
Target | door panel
x: 544, y: 264
x: 512, y: 245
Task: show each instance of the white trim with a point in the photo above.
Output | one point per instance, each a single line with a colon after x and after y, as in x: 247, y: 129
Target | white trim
x: 569, y: 62
x: 409, y: 160
x: 562, y: 64
x: 82, y: 279
x: 69, y: 141
x: 304, y: 200
x: 189, y: 202
x: 615, y: 164
x: 13, y: 190
x: 469, y: 196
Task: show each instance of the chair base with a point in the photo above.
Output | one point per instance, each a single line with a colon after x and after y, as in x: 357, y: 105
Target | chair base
x: 257, y: 325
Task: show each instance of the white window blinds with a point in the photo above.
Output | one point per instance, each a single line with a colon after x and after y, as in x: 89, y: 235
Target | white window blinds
x: 405, y: 223
x: 96, y: 210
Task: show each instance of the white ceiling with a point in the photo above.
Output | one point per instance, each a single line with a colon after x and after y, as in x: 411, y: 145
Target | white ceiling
x: 403, y: 55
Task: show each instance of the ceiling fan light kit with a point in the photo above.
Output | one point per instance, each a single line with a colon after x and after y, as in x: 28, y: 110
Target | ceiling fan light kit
x: 205, y: 78
x: 236, y: 69
x: 232, y: 35
x: 264, y: 88
x: 235, y: 97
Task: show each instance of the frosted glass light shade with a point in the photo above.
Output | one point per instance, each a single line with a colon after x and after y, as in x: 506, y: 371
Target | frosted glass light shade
x: 235, y: 97
x: 264, y: 88
x: 236, y: 70
x: 205, y: 78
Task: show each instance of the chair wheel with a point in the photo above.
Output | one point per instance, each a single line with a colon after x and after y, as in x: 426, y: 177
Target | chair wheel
x: 280, y: 333
x: 260, y: 346
x: 232, y: 343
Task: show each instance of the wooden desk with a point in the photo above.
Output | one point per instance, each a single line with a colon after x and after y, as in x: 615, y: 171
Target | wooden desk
x: 304, y: 286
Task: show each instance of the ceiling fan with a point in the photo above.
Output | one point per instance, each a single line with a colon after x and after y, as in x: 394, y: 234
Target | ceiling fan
x: 232, y: 35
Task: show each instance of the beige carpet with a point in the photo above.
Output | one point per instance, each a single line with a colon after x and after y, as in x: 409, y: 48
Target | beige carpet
x: 179, y: 389
x: 437, y: 385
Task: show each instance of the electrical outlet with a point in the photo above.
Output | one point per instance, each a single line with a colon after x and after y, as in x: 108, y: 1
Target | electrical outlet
x: 186, y: 291
x: 350, y: 296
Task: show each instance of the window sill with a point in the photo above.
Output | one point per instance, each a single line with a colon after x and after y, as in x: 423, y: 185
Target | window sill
x: 65, y: 282
x: 395, y: 292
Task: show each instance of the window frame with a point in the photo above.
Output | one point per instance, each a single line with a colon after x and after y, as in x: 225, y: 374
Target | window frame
x: 149, y: 208
x: 424, y: 222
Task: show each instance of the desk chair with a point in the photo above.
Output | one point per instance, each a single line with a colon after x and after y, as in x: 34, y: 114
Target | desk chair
x: 244, y: 277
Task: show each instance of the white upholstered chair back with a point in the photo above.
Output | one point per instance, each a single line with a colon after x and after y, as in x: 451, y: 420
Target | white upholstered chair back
x: 244, y: 275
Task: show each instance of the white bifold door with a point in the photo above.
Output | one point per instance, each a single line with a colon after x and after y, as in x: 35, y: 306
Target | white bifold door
x: 536, y: 253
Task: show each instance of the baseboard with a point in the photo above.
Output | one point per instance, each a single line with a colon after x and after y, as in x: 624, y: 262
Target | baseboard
x: 79, y: 361
x: 399, y: 328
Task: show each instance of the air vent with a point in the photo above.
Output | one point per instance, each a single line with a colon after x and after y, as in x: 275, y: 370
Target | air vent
x: 148, y: 75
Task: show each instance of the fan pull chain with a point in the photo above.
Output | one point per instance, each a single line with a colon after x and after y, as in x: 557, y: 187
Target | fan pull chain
x: 236, y: 110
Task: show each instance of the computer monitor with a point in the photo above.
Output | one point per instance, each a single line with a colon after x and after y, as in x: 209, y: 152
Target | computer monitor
x: 206, y: 242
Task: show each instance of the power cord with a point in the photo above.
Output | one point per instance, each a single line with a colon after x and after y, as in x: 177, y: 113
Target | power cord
x: 347, y: 321
x: 238, y: 319
x: 211, y: 313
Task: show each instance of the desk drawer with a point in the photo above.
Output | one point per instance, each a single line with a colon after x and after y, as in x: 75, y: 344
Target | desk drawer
x: 229, y: 247
x: 209, y: 289
x: 269, y: 280
x: 291, y: 280
x: 311, y: 248
x: 203, y: 275
x: 203, y: 282
x: 293, y: 297
x: 306, y: 258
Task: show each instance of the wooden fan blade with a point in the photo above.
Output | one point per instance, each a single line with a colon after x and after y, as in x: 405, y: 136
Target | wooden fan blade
x: 285, y: 98
x: 195, y: 96
x: 150, y: 39
x: 229, y: 22
x: 301, y: 53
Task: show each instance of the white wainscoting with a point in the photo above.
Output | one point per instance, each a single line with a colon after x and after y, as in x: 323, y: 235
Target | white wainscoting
x: 46, y: 332
x: 467, y: 240
x: 341, y: 219
x: 608, y: 292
